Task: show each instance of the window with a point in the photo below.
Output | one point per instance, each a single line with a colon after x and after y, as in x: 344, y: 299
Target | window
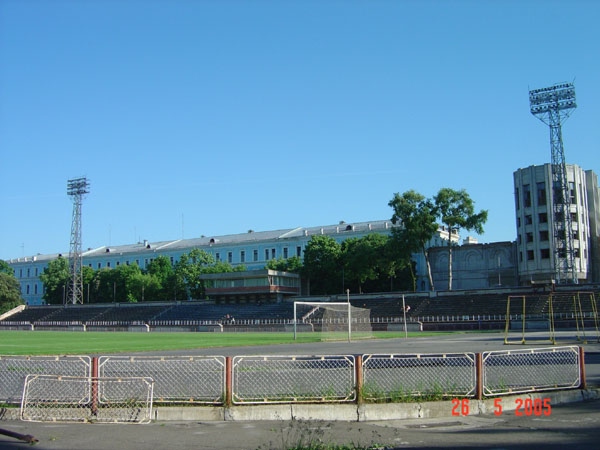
x: 243, y: 256
x: 285, y: 253
x: 572, y: 193
x: 266, y: 254
x: 28, y: 272
x: 27, y: 289
x: 526, y: 196
x: 543, y: 218
x: 298, y: 251
x: 518, y: 222
x: 35, y: 287
x: 217, y: 256
x: 229, y: 257
x: 255, y: 255
x: 529, y: 237
x: 273, y: 254
x: 99, y: 265
x: 528, y: 219
x: 544, y: 235
x: 545, y: 253
x: 108, y: 264
x: 557, y: 194
x: 530, y: 255
x: 517, y: 198
x: 541, y: 193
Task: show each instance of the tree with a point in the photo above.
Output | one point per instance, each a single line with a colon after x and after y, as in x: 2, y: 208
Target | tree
x: 10, y: 290
x: 322, y: 265
x: 161, y: 271
x: 364, y: 259
x: 293, y: 264
x: 456, y: 210
x: 189, y: 268
x: 417, y: 218
x: 5, y: 268
x: 56, y: 279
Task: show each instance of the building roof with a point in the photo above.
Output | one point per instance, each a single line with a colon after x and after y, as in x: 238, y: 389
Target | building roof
x: 179, y: 245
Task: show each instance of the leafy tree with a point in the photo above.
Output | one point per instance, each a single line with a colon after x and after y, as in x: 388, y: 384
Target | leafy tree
x: 10, y: 290
x: 145, y: 287
x: 364, y: 259
x: 56, y: 280
x: 105, y: 285
x: 322, y: 265
x: 457, y: 210
x: 417, y: 218
x: 189, y: 268
x: 5, y: 268
x: 161, y: 271
x: 293, y: 264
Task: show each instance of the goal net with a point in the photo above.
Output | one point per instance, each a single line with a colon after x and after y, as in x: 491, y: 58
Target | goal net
x: 334, y: 321
x: 536, y: 316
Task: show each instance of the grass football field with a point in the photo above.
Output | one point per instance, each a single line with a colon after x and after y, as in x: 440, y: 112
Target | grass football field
x: 78, y: 343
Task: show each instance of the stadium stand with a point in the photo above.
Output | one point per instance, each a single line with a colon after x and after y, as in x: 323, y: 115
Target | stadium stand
x: 454, y: 307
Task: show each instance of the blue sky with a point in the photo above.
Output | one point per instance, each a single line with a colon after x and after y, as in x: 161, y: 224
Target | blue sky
x: 215, y: 117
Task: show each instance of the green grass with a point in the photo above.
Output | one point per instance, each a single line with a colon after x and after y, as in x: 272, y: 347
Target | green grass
x: 89, y: 343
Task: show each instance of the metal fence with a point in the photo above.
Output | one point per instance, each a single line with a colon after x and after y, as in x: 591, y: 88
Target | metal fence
x: 123, y: 388
x: 285, y: 379
x: 14, y: 370
x: 396, y: 377
x: 177, y: 379
x: 55, y: 398
x: 539, y: 369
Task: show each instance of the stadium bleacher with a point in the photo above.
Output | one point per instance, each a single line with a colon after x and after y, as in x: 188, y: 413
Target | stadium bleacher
x: 453, y: 306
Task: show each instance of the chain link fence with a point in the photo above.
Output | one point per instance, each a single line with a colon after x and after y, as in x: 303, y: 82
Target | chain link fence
x: 519, y: 371
x: 177, y: 379
x: 14, y: 370
x: 398, y: 377
x: 55, y: 398
x: 284, y: 379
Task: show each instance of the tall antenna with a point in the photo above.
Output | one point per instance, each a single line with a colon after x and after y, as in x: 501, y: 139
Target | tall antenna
x: 553, y: 105
x: 76, y: 189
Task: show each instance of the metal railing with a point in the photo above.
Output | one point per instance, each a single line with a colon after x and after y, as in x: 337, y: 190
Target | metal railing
x: 531, y: 370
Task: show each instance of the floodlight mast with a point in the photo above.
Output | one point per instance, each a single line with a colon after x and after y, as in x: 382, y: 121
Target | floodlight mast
x: 553, y: 105
x: 76, y: 189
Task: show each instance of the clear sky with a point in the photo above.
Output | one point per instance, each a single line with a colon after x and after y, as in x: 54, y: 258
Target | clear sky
x: 195, y: 118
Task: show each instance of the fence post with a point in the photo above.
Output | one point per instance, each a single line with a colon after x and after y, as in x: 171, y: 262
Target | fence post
x: 583, y: 384
x: 359, y: 378
x: 228, y: 380
x: 94, y: 380
x: 478, y: 376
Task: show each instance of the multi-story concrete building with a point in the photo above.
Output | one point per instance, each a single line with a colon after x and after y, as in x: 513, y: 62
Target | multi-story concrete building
x: 535, y: 217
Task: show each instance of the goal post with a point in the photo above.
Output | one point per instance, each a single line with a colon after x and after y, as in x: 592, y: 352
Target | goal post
x: 333, y: 320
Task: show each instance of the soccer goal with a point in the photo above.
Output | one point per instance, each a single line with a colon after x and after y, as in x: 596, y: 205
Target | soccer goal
x: 537, y: 315
x: 334, y: 321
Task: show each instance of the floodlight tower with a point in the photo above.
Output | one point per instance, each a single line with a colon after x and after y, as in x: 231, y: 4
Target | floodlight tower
x: 553, y: 105
x: 76, y: 189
